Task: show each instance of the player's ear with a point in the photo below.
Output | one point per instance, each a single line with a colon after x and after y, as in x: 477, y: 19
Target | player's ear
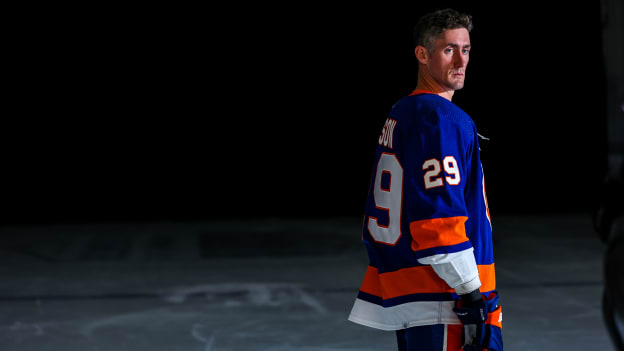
x: 422, y: 54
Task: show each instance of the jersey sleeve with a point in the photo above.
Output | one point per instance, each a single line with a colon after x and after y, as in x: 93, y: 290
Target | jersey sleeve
x: 458, y: 270
x: 437, y: 153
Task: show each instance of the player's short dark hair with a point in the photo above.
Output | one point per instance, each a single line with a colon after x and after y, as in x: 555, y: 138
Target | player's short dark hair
x: 431, y: 25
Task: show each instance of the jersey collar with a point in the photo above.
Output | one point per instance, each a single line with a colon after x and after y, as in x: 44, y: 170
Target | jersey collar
x: 420, y: 91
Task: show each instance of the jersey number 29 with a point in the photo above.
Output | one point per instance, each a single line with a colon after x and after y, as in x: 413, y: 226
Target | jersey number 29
x: 389, y: 198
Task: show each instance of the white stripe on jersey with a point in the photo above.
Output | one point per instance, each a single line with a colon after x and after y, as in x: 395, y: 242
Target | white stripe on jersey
x: 391, y: 318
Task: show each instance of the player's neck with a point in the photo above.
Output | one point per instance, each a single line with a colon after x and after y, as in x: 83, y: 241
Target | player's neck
x: 425, y: 82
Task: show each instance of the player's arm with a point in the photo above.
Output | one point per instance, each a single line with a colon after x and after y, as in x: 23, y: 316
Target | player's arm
x: 437, y: 225
x: 439, y: 168
x: 459, y: 271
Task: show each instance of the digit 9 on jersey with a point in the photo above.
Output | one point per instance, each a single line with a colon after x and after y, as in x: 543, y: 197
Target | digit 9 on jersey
x: 388, y: 197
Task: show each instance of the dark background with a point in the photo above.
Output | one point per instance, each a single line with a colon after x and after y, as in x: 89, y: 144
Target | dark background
x: 253, y: 111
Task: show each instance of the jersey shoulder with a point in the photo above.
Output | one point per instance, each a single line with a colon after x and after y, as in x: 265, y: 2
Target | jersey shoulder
x: 425, y: 111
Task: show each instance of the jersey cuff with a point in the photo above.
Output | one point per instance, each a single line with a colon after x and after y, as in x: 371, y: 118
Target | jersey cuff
x: 465, y: 288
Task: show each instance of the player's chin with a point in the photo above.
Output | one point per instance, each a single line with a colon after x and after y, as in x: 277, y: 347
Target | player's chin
x: 457, y: 83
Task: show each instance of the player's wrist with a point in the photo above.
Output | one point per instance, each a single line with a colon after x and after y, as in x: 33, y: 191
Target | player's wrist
x: 471, y: 298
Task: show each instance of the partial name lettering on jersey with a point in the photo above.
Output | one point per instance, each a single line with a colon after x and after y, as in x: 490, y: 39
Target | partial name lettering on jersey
x: 385, y: 138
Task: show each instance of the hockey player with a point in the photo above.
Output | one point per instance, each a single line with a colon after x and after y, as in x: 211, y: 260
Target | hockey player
x: 427, y: 229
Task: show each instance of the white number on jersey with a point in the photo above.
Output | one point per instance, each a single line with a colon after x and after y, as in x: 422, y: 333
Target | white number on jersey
x: 433, y: 178
x: 388, y: 199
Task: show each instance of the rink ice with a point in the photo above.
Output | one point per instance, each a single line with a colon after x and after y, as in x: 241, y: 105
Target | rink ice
x: 201, y: 286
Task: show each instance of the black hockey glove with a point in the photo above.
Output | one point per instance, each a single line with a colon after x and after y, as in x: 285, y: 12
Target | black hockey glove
x: 472, y: 312
x: 480, y: 332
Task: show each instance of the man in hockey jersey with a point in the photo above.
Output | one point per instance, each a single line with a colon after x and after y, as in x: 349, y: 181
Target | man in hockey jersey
x: 427, y: 229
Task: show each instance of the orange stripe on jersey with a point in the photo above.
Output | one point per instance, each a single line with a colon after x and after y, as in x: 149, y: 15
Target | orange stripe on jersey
x: 414, y: 280
x: 417, y: 280
x: 487, y: 275
x: 371, y: 284
x: 436, y: 232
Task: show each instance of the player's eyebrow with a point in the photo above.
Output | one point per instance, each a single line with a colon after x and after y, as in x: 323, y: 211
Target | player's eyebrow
x: 453, y: 45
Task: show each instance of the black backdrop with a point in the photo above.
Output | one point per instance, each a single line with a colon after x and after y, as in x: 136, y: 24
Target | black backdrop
x: 204, y: 113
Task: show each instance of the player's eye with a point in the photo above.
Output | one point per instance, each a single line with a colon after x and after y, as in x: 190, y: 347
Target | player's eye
x: 448, y: 50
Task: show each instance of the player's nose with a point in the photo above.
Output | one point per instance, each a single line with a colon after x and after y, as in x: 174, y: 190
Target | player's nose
x: 460, y: 59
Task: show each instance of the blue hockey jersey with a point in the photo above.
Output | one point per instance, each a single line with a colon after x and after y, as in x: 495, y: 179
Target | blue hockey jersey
x: 426, y: 198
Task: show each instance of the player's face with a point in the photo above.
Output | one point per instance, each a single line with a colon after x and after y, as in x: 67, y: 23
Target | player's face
x: 448, y: 61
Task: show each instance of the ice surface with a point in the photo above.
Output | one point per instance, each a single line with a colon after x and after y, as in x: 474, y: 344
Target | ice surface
x: 211, y: 286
